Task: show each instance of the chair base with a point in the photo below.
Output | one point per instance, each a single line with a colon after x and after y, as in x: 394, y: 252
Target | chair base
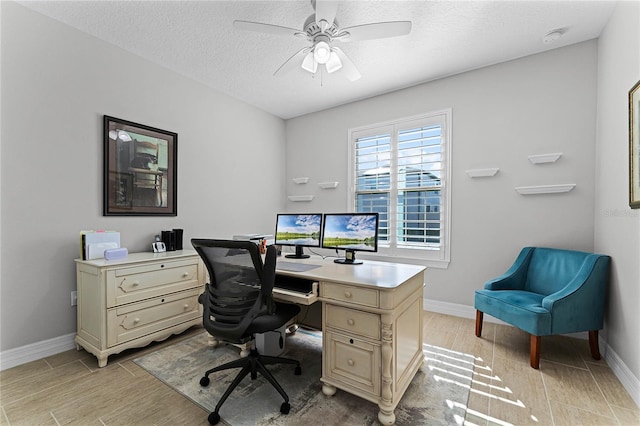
x: 254, y: 364
x: 535, y: 342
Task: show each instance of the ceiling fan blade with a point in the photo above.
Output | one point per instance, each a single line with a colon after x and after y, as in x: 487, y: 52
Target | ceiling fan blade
x: 293, y: 59
x: 267, y: 28
x: 374, y: 31
x: 325, y: 11
x: 348, y: 68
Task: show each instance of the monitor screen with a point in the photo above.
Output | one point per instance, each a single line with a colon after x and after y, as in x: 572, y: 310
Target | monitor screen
x: 351, y: 232
x: 299, y: 230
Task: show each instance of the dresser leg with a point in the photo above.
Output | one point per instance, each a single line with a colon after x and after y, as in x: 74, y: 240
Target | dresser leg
x: 102, y: 361
x: 328, y: 389
x: 386, y: 417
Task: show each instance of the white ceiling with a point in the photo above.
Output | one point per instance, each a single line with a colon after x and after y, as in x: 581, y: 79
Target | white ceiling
x: 197, y: 39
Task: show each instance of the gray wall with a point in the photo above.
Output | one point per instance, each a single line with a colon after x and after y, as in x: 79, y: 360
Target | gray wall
x: 56, y: 85
x: 617, y: 227
x: 501, y: 114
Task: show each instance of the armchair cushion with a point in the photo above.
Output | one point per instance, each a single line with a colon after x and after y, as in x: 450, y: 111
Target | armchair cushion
x: 522, y: 309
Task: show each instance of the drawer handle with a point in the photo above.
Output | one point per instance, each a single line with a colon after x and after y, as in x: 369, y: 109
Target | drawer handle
x: 135, y: 283
x: 350, y: 321
x: 186, y: 306
x: 186, y: 274
x: 347, y: 294
x: 351, y: 362
x: 136, y: 320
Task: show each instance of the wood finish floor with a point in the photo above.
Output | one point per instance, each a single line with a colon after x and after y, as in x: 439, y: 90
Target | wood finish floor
x: 570, y: 388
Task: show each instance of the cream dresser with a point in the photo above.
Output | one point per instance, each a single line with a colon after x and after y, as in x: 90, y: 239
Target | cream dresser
x: 134, y: 301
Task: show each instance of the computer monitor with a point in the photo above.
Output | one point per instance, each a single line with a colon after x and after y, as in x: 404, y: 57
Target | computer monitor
x: 298, y: 230
x: 351, y: 232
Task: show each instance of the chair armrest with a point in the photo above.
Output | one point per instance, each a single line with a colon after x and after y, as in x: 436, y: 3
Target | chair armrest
x: 515, y: 276
x: 587, y: 287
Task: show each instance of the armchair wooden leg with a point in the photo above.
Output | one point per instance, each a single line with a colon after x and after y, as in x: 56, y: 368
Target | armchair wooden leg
x: 593, y: 344
x: 479, y: 317
x: 535, y: 351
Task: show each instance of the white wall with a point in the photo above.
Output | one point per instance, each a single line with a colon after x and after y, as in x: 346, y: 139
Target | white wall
x: 57, y: 83
x: 501, y: 114
x: 617, y: 227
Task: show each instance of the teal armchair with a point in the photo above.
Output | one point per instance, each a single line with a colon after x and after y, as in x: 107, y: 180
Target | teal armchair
x: 548, y: 291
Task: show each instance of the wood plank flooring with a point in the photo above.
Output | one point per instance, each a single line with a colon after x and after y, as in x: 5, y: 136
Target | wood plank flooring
x: 570, y: 387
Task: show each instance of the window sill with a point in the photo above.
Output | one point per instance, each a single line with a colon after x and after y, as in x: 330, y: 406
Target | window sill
x: 429, y: 263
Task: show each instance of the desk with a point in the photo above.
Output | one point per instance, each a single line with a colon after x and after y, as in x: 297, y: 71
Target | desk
x: 371, y: 327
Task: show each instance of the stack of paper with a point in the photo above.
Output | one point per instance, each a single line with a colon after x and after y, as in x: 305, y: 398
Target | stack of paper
x: 94, y: 243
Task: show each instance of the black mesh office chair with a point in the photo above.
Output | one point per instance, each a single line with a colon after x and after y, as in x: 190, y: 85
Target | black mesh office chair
x: 238, y: 303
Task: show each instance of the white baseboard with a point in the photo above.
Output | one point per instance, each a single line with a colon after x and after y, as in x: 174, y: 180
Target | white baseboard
x: 35, y: 351
x: 619, y: 368
x: 622, y: 372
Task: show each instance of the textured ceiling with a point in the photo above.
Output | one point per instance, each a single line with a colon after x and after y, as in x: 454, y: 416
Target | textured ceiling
x: 197, y: 39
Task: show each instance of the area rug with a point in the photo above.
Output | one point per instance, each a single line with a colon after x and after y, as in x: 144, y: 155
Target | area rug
x: 437, y: 395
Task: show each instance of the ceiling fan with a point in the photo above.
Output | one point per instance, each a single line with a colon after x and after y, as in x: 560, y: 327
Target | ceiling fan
x: 321, y: 29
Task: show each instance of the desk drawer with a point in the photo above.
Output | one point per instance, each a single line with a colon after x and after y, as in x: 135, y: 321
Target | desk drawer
x: 139, y: 319
x: 353, y: 321
x: 133, y: 284
x: 352, y: 361
x: 343, y: 293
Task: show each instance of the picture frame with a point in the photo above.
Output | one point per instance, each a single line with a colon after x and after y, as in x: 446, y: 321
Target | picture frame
x: 140, y: 169
x: 634, y: 146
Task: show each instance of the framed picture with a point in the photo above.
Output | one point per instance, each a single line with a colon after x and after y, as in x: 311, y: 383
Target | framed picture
x: 634, y: 146
x: 140, y: 169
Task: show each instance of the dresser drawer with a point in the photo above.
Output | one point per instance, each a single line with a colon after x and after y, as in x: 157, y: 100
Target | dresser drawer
x: 354, y: 295
x: 135, y: 320
x: 132, y: 284
x: 353, y: 362
x: 352, y: 321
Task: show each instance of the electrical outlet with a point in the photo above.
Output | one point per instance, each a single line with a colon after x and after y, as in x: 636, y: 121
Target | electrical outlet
x: 74, y: 298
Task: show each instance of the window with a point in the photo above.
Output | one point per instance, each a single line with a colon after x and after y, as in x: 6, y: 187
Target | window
x: 401, y: 170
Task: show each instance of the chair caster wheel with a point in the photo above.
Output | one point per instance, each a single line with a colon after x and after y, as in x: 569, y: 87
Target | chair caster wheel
x: 298, y: 371
x: 285, y: 407
x: 214, y: 418
x: 204, y: 382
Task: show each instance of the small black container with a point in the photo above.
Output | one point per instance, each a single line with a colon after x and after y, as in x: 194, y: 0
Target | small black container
x: 178, y: 238
x: 169, y: 240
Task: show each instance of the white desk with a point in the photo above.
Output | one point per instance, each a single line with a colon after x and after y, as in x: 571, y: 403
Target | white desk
x: 371, y: 327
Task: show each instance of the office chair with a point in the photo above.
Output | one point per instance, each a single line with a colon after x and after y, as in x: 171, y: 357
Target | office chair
x: 237, y: 304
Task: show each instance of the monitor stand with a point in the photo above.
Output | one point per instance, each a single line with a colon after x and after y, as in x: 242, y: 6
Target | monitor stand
x: 299, y: 254
x: 349, y: 258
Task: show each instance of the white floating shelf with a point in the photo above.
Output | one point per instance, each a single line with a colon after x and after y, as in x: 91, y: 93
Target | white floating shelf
x: 545, y: 189
x: 300, y: 180
x: 545, y: 158
x: 328, y: 185
x: 297, y: 198
x: 473, y: 173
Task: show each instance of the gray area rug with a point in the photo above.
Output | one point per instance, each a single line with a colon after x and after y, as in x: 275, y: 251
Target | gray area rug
x: 437, y: 395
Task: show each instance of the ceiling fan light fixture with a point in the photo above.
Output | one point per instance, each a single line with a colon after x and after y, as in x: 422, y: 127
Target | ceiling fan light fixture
x: 322, y: 52
x: 309, y: 63
x: 334, y: 63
